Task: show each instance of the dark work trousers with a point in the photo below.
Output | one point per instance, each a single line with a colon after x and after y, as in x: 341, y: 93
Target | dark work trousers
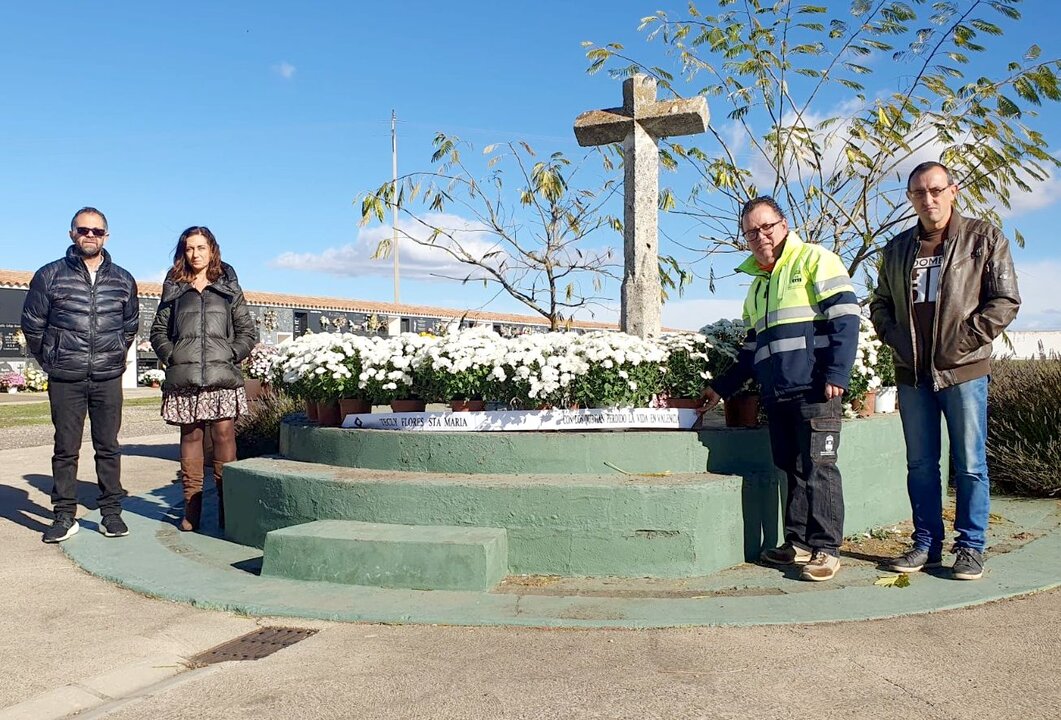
x: 102, y: 402
x: 805, y: 439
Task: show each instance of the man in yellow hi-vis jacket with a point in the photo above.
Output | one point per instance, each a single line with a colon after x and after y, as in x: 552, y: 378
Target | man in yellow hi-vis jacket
x: 803, y: 320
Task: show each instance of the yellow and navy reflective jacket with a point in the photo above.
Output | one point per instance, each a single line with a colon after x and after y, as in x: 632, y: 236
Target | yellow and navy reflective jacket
x: 802, y: 323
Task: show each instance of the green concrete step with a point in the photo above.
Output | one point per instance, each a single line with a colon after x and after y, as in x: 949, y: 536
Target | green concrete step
x: 417, y: 557
x: 577, y: 525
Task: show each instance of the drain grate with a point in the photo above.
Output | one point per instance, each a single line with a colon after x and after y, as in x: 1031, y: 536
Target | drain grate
x: 252, y: 646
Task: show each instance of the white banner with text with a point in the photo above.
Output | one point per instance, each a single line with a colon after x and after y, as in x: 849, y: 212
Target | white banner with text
x: 527, y: 420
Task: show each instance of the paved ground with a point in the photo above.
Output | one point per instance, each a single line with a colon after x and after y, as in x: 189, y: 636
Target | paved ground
x: 70, y: 642
x: 136, y: 421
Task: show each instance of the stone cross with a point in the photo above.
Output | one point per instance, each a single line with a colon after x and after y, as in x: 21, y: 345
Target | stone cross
x: 639, y: 124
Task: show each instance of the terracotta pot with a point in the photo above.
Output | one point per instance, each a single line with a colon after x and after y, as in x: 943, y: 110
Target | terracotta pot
x: 467, y: 405
x: 408, y: 405
x: 311, y: 410
x: 742, y: 410
x: 683, y: 403
x: 253, y: 388
x: 867, y: 405
x: 328, y: 413
x: 354, y: 406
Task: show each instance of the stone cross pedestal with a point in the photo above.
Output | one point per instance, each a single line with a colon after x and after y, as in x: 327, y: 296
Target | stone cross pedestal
x: 639, y: 124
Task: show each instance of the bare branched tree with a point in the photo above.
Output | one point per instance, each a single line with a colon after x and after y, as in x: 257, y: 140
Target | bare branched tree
x: 531, y: 241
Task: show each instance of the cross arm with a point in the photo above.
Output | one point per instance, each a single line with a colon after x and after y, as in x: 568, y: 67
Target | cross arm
x: 668, y: 118
x: 602, y: 127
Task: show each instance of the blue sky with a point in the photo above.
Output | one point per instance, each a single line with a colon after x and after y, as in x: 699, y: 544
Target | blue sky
x: 265, y: 120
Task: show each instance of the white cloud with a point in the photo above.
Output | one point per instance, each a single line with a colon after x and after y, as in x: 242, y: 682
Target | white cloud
x: 1043, y: 194
x: 1040, y: 303
x: 285, y: 70
x: 415, y: 261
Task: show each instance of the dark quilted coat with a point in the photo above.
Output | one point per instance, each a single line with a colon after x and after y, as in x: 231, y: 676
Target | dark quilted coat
x: 203, y: 337
x: 77, y: 330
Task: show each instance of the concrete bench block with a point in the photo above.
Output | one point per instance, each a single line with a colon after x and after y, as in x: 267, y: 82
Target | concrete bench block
x: 422, y: 557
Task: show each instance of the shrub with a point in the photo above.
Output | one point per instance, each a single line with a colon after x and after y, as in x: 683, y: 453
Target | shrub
x: 1024, y: 426
x: 726, y: 337
x: 258, y: 431
x: 259, y: 365
x: 458, y: 365
x: 621, y: 370
x: 865, y: 374
x: 688, y: 364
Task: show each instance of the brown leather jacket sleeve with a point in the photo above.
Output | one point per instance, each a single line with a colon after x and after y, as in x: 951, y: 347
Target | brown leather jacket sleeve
x: 999, y: 297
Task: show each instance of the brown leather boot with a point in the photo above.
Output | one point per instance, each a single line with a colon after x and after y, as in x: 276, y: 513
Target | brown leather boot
x: 219, y: 471
x: 192, y: 472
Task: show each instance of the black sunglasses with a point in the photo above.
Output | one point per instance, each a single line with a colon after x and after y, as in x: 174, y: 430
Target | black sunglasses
x: 94, y: 232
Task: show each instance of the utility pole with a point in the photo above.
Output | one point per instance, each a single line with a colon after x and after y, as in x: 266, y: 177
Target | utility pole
x: 394, y: 202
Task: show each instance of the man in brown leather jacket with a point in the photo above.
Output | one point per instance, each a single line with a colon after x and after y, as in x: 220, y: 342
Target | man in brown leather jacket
x: 945, y: 291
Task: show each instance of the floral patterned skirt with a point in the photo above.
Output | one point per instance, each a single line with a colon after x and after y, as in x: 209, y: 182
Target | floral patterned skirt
x: 183, y: 406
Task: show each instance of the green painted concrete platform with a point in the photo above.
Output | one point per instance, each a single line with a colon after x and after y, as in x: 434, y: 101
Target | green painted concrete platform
x: 418, y: 557
x: 664, y: 504
x: 210, y: 572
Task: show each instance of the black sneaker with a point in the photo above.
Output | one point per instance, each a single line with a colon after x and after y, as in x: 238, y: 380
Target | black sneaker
x: 916, y: 560
x: 62, y: 528
x: 969, y: 564
x: 113, y: 526
x: 787, y: 554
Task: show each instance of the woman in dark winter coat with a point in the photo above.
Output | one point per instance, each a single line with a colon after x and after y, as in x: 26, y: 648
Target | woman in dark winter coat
x: 201, y: 333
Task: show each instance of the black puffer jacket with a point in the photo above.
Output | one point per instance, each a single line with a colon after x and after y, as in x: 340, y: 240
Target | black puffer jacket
x: 202, y: 337
x: 78, y: 330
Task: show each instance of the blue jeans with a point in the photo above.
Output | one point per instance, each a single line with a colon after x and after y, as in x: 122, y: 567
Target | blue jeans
x: 964, y: 406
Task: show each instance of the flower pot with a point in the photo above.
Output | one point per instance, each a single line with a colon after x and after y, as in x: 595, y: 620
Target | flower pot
x: 683, y: 403
x: 408, y: 405
x: 742, y: 410
x: 354, y: 406
x: 467, y: 405
x: 311, y: 410
x: 253, y: 388
x: 12, y: 390
x: 887, y: 398
x: 155, y: 385
x: 328, y: 413
x: 866, y: 405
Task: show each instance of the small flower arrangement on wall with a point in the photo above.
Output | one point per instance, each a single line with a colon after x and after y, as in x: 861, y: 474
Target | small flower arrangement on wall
x: 12, y: 381
x: 151, y: 377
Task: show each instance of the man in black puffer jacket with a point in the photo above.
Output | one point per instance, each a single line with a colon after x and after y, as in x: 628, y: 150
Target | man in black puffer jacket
x: 79, y: 319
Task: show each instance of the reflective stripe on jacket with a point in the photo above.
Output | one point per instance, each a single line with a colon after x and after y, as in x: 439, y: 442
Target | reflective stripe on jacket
x: 803, y: 320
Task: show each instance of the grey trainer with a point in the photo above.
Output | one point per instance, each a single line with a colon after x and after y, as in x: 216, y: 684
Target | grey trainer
x: 916, y: 560
x: 969, y: 565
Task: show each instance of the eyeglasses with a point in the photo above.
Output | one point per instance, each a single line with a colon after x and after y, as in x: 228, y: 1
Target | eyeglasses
x: 94, y: 232
x: 922, y: 194
x: 762, y: 229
